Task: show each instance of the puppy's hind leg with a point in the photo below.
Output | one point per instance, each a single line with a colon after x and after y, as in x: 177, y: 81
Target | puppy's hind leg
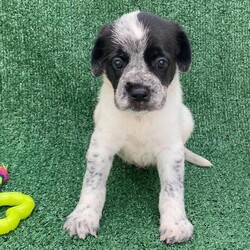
x: 187, y: 125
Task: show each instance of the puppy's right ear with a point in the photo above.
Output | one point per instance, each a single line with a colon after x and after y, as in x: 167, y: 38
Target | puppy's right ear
x: 184, y: 55
x: 98, y: 52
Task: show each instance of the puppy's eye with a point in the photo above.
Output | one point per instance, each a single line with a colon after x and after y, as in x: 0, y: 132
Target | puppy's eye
x: 117, y: 63
x: 161, y: 64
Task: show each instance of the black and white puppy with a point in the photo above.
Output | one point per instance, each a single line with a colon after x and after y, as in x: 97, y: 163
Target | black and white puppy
x: 140, y: 117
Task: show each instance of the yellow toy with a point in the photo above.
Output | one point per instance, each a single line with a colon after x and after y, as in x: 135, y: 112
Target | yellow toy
x: 22, y: 206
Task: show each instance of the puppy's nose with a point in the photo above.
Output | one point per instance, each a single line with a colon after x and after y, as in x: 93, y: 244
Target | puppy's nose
x: 138, y: 92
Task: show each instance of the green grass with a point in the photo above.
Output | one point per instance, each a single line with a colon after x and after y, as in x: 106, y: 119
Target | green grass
x: 47, y: 99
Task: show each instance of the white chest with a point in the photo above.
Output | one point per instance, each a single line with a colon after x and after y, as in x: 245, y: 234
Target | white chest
x: 138, y: 147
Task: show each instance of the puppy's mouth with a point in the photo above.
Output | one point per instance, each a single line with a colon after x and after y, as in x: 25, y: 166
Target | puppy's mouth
x: 141, y: 106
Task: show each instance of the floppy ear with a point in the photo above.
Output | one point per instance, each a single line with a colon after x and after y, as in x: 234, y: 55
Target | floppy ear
x: 98, y: 52
x: 184, y: 56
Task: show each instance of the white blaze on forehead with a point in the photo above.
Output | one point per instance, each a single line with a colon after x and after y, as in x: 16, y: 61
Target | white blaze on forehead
x: 128, y: 29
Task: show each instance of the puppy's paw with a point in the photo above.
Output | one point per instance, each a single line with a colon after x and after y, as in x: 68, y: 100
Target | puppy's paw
x: 82, y: 222
x: 175, y: 231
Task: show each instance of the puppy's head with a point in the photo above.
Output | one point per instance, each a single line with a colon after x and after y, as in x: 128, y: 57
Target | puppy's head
x: 140, y: 54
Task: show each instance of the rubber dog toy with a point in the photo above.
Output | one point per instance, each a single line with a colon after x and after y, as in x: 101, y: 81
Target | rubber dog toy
x: 22, y: 206
x: 4, y: 176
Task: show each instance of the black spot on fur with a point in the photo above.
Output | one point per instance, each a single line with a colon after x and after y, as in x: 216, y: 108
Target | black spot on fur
x: 105, y: 49
x: 169, y: 189
x: 165, y: 39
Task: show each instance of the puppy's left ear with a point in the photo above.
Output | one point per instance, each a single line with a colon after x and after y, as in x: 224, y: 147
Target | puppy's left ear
x: 184, y: 55
x: 98, y: 52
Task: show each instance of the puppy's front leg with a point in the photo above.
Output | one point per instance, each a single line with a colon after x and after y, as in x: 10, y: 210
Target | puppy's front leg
x: 85, y: 218
x: 174, y: 225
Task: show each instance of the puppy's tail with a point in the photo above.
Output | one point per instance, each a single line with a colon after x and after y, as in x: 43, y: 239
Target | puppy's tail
x: 196, y: 159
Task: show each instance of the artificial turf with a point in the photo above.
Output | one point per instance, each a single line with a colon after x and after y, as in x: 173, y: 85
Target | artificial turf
x: 47, y: 97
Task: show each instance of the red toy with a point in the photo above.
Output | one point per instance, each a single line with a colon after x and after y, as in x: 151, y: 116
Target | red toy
x: 4, y: 176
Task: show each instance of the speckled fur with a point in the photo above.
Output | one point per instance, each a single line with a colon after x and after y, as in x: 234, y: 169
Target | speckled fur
x: 154, y: 136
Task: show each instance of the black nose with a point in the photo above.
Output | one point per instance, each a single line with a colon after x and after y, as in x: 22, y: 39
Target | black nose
x: 138, y: 92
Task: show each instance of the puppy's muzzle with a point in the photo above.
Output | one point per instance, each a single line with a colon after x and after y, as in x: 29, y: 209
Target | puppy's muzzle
x: 137, y: 92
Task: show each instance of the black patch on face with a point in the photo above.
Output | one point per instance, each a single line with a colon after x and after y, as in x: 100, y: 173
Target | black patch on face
x: 166, y: 40
x: 154, y: 54
x: 104, y: 53
x: 112, y: 72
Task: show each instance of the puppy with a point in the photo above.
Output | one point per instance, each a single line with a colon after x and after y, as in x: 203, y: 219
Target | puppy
x: 140, y: 117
